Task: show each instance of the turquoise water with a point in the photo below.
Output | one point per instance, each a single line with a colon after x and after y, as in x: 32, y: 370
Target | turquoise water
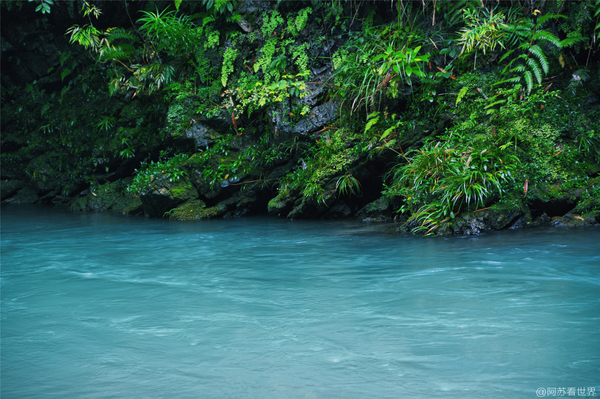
x: 103, y: 306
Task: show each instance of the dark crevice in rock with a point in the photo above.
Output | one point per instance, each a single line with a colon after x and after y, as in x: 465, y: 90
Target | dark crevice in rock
x: 552, y: 208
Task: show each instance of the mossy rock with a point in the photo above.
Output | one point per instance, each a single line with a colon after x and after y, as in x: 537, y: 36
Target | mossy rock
x: 379, y: 210
x: 8, y: 188
x: 499, y: 216
x: 26, y: 195
x: 283, y: 203
x: 165, y: 195
x: 196, y: 210
x: 109, y: 197
x: 571, y: 220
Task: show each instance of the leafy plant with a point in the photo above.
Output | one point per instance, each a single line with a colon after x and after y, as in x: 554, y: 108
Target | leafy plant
x: 483, y: 30
x: 347, y: 185
x: 151, y: 172
x: 379, y: 61
x: 44, y: 6
x: 449, y: 175
x: 528, y: 59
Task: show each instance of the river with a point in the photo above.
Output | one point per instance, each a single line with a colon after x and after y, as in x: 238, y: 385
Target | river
x: 105, y: 306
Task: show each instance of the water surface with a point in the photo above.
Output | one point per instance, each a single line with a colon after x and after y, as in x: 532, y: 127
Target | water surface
x: 99, y: 306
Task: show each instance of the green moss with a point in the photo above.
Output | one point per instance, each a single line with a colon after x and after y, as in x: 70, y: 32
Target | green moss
x: 184, y: 190
x: 193, y: 210
x: 196, y: 210
x: 109, y: 197
x: 282, y: 204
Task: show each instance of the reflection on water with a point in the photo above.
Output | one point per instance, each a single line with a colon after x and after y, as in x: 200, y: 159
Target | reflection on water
x: 97, y: 305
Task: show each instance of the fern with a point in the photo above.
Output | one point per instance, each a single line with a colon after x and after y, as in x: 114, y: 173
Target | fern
x: 545, y: 35
x: 540, y: 56
x: 300, y: 57
x: 543, y: 18
x: 529, y: 80
x: 271, y: 23
x: 374, y: 118
x: 461, y: 94
x: 302, y: 18
x: 528, y: 59
x: 228, y: 59
x: 119, y: 33
x: 537, y: 72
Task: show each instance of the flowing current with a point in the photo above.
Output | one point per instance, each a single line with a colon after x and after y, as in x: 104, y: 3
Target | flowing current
x: 105, y: 306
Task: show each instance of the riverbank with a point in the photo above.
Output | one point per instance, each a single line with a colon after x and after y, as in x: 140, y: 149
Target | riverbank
x: 304, y: 111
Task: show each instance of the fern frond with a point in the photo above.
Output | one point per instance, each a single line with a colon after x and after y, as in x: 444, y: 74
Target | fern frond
x: 461, y: 94
x: 119, y: 33
x: 537, y: 72
x: 509, y: 66
x: 545, y: 35
x: 569, y: 41
x: 508, y: 53
x: 548, y: 17
x: 514, y: 80
x: 540, y: 56
x: 529, y: 79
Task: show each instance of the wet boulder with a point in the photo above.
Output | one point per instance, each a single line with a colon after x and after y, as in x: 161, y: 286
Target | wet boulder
x: 498, y: 217
x: 283, y: 203
x: 164, y: 194
x: 26, y: 195
x: 379, y: 210
x: 571, y: 220
x: 310, y: 207
x: 339, y: 210
x: 109, y: 197
x: 10, y: 187
x: 196, y: 210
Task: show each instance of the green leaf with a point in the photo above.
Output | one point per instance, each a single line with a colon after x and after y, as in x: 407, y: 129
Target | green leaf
x: 64, y: 73
x: 177, y: 4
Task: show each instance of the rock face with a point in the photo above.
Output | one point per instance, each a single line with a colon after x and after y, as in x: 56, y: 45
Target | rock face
x: 202, y: 135
x: 318, y: 117
x: 196, y: 210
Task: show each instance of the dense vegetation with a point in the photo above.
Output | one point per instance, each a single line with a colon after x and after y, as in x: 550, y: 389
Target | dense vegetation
x: 432, y: 110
